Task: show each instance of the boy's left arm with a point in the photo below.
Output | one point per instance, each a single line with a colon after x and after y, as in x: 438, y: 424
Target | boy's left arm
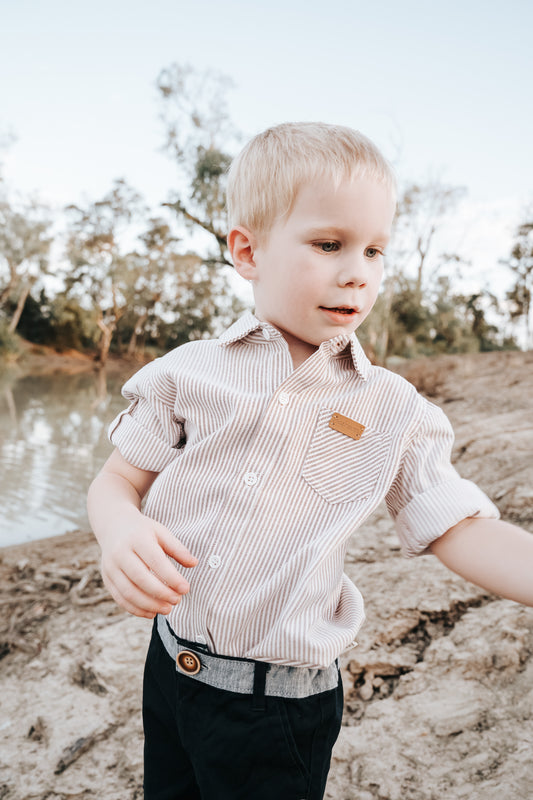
x: 492, y: 554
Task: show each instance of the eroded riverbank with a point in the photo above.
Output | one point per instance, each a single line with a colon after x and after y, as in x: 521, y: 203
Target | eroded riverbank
x: 439, y: 691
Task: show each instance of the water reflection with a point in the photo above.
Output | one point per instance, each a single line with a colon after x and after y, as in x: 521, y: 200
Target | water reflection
x: 53, y: 440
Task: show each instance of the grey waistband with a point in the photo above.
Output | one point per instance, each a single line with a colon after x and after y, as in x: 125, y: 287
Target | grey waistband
x: 237, y: 675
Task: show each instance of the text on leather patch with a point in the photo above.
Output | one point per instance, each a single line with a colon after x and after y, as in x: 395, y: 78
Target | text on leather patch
x: 346, y: 425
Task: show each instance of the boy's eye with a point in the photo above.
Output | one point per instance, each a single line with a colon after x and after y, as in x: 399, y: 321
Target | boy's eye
x: 328, y: 247
x: 372, y: 252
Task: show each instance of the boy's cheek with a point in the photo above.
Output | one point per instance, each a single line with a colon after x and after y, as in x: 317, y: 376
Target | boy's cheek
x: 366, y: 312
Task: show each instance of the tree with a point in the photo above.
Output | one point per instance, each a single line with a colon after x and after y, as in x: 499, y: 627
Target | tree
x: 413, y: 264
x: 149, y: 289
x: 476, y: 313
x: 24, y: 250
x: 198, y: 136
x: 521, y: 264
x: 58, y: 321
x: 102, y: 265
x: 421, y: 211
x: 158, y: 280
x: 459, y: 321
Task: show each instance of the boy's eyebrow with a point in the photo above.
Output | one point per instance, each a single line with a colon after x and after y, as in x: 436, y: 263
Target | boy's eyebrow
x: 322, y: 230
x: 335, y: 231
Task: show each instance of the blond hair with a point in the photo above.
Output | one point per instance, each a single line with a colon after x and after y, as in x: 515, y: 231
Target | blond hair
x: 264, y: 179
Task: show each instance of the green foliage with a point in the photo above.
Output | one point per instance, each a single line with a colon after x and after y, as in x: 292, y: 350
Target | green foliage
x: 34, y: 322
x: 208, y: 183
x: 419, y: 312
x: 60, y: 322
x: 443, y: 322
x: 24, y: 251
x: 101, y: 266
x: 175, y: 298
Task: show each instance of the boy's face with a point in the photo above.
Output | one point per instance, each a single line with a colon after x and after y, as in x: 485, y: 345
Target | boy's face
x: 317, y: 273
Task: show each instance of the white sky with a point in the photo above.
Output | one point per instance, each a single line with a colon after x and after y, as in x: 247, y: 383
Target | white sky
x: 444, y: 89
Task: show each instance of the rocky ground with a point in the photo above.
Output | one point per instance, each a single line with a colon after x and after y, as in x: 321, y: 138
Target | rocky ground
x: 439, y: 691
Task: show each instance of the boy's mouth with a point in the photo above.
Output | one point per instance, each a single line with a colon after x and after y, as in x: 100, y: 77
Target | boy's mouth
x: 348, y: 310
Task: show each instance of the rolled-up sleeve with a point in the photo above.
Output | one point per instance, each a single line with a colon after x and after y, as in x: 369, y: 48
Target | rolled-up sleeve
x: 428, y: 496
x: 148, y: 434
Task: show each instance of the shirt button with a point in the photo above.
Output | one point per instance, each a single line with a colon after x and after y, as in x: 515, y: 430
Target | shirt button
x: 266, y: 334
x: 214, y: 561
x: 284, y: 399
x: 200, y: 638
x: 250, y: 479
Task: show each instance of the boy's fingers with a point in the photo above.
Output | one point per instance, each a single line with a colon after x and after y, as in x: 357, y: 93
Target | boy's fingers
x: 174, y: 548
x: 137, y: 601
x: 155, y: 576
x: 156, y: 564
x: 131, y: 572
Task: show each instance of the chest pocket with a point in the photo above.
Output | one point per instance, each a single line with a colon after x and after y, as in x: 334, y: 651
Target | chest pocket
x: 342, y: 469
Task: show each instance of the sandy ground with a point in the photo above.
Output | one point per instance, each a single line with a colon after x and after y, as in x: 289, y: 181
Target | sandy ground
x: 439, y: 691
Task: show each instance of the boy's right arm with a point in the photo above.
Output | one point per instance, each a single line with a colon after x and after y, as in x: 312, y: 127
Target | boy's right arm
x: 135, y: 567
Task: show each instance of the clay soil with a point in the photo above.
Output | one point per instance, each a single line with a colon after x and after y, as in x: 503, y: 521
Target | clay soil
x: 439, y: 691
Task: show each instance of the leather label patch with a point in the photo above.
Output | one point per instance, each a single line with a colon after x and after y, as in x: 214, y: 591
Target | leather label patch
x: 346, y: 425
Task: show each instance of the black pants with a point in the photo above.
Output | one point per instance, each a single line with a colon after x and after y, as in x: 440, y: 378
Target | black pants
x: 203, y: 743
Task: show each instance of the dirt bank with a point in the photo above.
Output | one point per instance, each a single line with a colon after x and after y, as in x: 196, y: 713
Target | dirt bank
x: 39, y: 359
x: 439, y: 691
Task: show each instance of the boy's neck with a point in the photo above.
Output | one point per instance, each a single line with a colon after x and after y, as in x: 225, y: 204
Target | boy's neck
x: 300, y: 355
x: 299, y: 350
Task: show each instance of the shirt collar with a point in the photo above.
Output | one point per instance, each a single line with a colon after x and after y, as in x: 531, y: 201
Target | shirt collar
x: 245, y: 325
x: 249, y: 323
x: 341, y: 343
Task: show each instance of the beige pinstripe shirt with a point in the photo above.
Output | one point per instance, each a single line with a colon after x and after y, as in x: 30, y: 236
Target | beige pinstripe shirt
x: 255, y: 482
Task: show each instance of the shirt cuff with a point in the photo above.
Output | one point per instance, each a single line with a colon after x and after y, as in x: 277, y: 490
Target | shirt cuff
x: 429, y: 515
x: 139, y: 446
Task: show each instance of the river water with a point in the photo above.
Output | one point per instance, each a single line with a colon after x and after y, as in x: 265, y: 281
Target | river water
x: 53, y: 440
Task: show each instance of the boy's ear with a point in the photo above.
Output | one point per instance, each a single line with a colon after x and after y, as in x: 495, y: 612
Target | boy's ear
x: 242, y: 244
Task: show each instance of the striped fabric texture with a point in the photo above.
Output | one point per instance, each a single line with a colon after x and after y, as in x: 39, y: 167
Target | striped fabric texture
x: 254, y: 481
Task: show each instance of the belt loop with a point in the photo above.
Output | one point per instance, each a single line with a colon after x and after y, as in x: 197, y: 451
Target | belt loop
x: 260, y: 671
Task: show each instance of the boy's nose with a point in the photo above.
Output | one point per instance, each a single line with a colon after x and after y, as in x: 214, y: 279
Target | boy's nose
x: 353, y: 273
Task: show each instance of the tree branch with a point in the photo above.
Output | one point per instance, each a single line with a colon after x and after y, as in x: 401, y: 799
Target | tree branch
x: 207, y: 226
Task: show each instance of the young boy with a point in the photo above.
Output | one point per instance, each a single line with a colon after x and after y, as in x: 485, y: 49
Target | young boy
x: 264, y: 450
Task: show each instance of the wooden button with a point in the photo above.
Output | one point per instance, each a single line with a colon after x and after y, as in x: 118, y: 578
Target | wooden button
x: 188, y: 662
